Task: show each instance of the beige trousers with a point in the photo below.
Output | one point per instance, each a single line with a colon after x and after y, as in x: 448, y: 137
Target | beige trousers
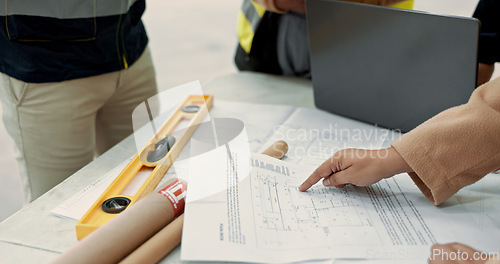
x: 55, y: 126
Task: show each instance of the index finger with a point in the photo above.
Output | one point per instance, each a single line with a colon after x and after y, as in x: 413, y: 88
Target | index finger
x: 324, y: 170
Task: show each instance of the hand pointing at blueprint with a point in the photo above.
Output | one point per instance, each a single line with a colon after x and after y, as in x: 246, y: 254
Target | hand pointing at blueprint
x: 264, y: 218
x: 360, y: 167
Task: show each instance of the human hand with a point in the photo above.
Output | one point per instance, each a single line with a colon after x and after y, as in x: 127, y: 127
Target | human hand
x: 359, y: 167
x: 484, y: 73
x: 455, y: 254
x: 283, y: 6
x: 377, y: 2
x: 291, y: 5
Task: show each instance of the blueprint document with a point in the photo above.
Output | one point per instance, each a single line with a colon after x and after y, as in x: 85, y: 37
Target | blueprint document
x: 262, y: 217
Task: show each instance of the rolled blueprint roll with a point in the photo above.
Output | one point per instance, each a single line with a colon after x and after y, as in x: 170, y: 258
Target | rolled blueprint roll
x: 121, y: 235
x: 159, y: 245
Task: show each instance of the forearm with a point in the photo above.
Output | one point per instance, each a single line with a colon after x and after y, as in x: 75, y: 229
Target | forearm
x: 283, y: 6
x: 457, y: 147
x: 377, y: 2
x: 392, y: 163
x: 271, y: 6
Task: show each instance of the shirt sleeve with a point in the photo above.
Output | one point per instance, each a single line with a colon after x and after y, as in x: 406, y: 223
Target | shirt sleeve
x: 456, y: 147
x: 488, y: 12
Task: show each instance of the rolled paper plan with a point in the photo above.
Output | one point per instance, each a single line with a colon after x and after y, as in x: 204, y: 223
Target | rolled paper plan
x: 124, y: 233
x: 277, y: 150
x: 159, y: 245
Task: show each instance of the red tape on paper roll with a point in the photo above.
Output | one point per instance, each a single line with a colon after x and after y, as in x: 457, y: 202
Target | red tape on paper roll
x: 176, y: 194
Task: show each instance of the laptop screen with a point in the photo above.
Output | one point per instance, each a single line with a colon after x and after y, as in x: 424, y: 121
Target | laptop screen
x: 391, y: 67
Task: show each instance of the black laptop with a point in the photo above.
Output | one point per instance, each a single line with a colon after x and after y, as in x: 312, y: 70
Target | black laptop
x: 391, y: 67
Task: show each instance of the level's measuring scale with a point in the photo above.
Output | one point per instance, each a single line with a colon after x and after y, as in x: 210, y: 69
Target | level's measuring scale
x: 159, y: 154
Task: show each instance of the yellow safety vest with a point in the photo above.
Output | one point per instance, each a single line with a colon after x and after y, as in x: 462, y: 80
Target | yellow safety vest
x: 250, y: 16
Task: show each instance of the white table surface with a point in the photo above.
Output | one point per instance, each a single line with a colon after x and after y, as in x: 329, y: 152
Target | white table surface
x: 34, y: 235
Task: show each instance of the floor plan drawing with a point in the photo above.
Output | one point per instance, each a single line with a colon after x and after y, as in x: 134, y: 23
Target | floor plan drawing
x: 319, y: 216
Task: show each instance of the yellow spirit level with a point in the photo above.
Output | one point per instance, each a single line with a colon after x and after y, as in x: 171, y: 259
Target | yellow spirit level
x: 158, y: 154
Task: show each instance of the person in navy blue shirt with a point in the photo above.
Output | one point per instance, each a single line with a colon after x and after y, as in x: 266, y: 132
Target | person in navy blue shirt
x: 488, y: 12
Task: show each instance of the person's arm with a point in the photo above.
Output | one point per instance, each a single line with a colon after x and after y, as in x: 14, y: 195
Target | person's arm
x: 484, y: 73
x: 456, y: 147
x: 283, y: 6
x: 449, y: 151
x: 377, y: 2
